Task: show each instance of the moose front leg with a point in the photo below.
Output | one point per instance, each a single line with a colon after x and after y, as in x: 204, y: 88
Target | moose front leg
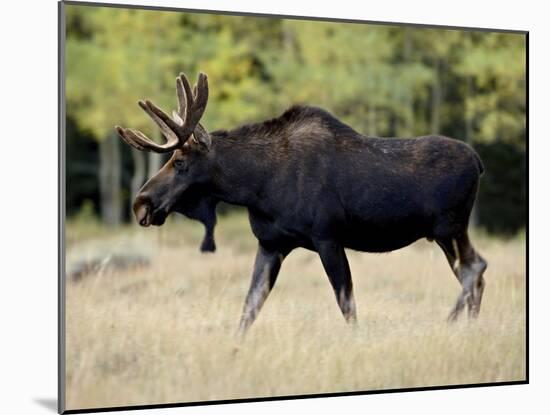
x: 336, y: 266
x: 266, y: 268
x: 208, y: 243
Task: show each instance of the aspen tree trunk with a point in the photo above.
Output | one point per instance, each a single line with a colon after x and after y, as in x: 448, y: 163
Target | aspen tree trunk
x: 155, y: 163
x: 468, y: 131
x: 408, y: 97
x: 138, y: 177
x: 109, y: 180
x: 436, y: 98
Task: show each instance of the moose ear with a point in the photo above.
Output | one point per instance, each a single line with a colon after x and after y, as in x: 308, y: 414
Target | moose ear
x: 201, y: 137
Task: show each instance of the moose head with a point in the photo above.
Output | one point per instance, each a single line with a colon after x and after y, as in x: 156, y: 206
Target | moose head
x: 190, y: 143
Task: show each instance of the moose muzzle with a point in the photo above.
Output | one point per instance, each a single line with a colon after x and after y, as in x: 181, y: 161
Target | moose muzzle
x: 146, y: 213
x: 143, y: 210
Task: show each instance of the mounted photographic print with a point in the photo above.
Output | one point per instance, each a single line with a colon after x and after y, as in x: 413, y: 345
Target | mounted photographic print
x: 259, y: 207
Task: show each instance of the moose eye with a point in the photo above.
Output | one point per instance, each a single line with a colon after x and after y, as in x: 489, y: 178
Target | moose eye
x: 180, y: 165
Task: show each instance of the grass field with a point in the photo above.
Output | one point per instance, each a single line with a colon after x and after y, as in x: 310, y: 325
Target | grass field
x: 166, y: 332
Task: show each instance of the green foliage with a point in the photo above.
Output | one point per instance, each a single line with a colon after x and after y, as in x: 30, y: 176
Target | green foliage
x: 496, y: 103
x: 127, y: 55
x: 380, y: 79
x: 377, y: 78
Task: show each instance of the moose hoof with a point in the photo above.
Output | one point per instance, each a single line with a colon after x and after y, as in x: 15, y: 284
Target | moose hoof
x: 208, y: 246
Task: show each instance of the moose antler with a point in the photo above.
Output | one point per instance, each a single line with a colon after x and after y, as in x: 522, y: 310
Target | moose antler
x: 191, y: 107
x: 200, y: 135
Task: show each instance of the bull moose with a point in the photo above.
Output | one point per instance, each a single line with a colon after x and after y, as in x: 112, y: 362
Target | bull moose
x: 309, y: 180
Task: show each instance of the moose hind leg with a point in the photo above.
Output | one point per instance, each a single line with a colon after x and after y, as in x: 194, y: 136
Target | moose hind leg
x: 468, y: 266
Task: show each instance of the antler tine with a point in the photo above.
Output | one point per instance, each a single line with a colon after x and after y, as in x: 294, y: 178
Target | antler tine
x: 194, y: 108
x: 168, y: 131
x: 191, y: 107
x: 200, y: 131
x: 185, y: 96
x: 185, y: 99
x: 140, y: 141
x: 201, y: 93
x: 122, y: 133
x: 167, y: 125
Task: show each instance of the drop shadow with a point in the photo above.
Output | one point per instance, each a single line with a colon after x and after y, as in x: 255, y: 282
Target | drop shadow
x: 48, y: 403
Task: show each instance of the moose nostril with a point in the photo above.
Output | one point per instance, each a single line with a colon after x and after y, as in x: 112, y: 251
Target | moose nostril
x: 141, y: 214
x: 142, y: 210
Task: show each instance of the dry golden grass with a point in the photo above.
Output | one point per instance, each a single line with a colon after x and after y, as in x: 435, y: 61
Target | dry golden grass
x: 165, y: 333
